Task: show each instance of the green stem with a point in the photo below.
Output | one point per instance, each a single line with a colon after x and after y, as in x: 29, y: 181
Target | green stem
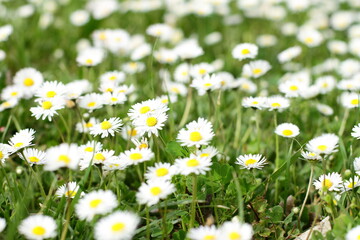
x: 147, y: 223
x: 239, y: 196
x: 165, y: 236
x: 277, y: 159
x: 193, y: 202
x: 306, y: 195
x: 343, y: 122
x: 187, y: 108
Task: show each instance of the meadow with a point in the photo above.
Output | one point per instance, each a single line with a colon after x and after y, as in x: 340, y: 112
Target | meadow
x: 180, y: 119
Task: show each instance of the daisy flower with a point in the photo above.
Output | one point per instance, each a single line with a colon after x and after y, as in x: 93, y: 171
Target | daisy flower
x: 208, y: 152
x: 201, y: 70
x: 118, y: 225
x: 324, y: 144
x: 292, y: 88
x: 254, y: 102
x: 150, y: 123
x: 206, y: 83
x: 129, y: 132
x: 85, y: 127
x: 256, y: 68
x: 193, y: 164
x: 12, y: 92
x: 68, y: 190
x: 8, y: 104
x: 277, y: 103
x: 143, y: 143
x: 5, y: 32
x: 289, y: 54
x: 310, y: 37
x: 2, y: 224
x: 250, y: 161
x: 95, y: 202
x: 204, y: 233
x: 113, y: 77
x: 5, y: 151
x: 115, y: 163
x: 325, y: 84
x: 245, y: 50
x: 182, y: 73
x: 29, y: 79
x: 87, y: 150
x: 162, y: 171
x: 287, y: 130
x: 63, y: 155
x: 103, y: 156
x: 353, y: 234
x: 79, y: 17
x: 107, y: 127
x: 133, y: 67
x: 324, y: 109
x: 329, y: 182
x: 91, y: 101
x: 160, y: 30
x: 357, y: 165
x: 311, y: 156
x: 47, y: 108
x: 22, y: 139
x: 351, y: 184
x: 76, y: 88
x: 349, y: 99
x: 146, y: 107
x: 114, y: 98
x: 90, y: 57
x: 151, y: 192
x: 50, y: 90
x: 356, y: 131
x: 135, y: 156
x: 235, y: 230
x: 33, y: 156
x: 38, y: 227
x: 196, y: 133
x: 189, y: 49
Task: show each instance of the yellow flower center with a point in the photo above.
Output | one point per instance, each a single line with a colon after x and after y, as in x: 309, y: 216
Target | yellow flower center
x: 204, y: 155
x: 112, y: 78
x: 33, y: 159
x: 202, y: 71
x: 155, y: 191
x: 151, y: 121
x: 17, y: 145
x: 287, y: 132
x: 1, y: 155
x: 105, y: 125
x: 192, y: 163
x: 117, y: 227
x: 358, y: 237
x: 195, y: 136
x: 91, y: 104
x: 50, y: 94
x: 250, y: 161
x: 132, y: 132
x: 136, y: 156
x: 161, y: 172
x: 39, y: 230
x: 245, y: 51
x: 355, y: 102
x: 144, y: 109
x: 207, y: 85
x: 293, y: 88
x: 64, y: 158
x: 89, y: 61
x: 99, y: 157
x: 327, y: 183
x: 46, y: 105
x: 28, y: 82
x: 275, y: 105
x: 209, y: 237
x: 309, y: 40
x: 143, y: 145
x: 102, y: 36
x: 94, y: 203
x: 234, y: 236
x: 322, y: 147
x: 245, y: 86
x: 70, y: 193
x: 352, y: 184
x: 109, y: 90
x: 89, y: 125
x: 175, y: 90
x: 257, y: 71
x: 165, y: 101
x: 14, y: 94
x: 113, y: 99
x: 255, y: 102
x: 312, y: 154
x: 89, y: 149
x: 6, y: 104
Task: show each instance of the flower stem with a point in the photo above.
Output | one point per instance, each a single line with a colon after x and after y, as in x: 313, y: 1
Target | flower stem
x: 239, y: 196
x: 277, y: 159
x: 147, y: 223
x: 187, y: 108
x: 307, y: 194
x: 193, y: 203
x: 343, y: 122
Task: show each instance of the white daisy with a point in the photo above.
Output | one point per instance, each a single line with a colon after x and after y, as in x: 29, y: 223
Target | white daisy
x: 135, y: 156
x: 245, y: 50
x: 95, y: 202
x: 357, y: 165
x: 162, y: 171
x: 50, y: 90
x: 91, y: 101
x: 151, y: 192
x: 193, y: 164
x: 22, y: 139
x: 68, y: 190
x: 353, y: 234
x: 329, y: 182
x: 107, y: 127
x: 235, y: 230
x: 206, y: 83
x: 2, y: 224
x: 5, y: 152
x: 150, y: 123
x: 277, y: 103
x: 349, y: 99
x: 120, y: 225
x: 324, y: 144
x: 29, y: 79
x: 204, y: 233
x: 311, y: 156
x: 38, y: 227
x: 85, y: 127
x: 287, y: 130
x: 147, y: 107
x: 63, y: 155
x: 254, y: 102
x: 351, y: 184
x: 33, y: 156
x: 250, y: 161
x: 47, y: 108
x: 256, y: 68
x: 196, y: 133
x: 90, y: 57
x: 208, y: 152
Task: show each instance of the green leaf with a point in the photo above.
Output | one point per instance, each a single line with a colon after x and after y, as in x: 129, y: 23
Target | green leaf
x: 175, y: 149
x: 275, y: 214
